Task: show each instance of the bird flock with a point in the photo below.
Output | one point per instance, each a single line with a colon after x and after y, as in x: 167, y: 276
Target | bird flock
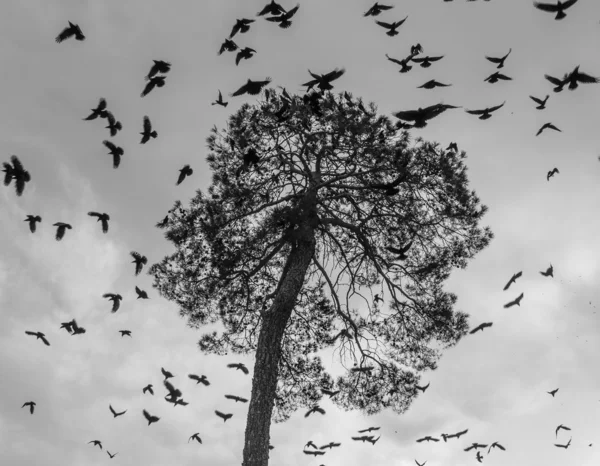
x: 14, y: 171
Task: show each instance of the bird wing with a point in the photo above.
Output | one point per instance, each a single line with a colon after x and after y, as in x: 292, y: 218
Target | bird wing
x: 241, y: 90
x: 385, y: 25
x: 553, y: 80
x: 408, y: 115
x: 586, y: 78
x: 65, y: 34
x: 494, y: 59
x: 109, y: 145
x: 492, y: 109
x: 536, y: 100
x: 546, y: 6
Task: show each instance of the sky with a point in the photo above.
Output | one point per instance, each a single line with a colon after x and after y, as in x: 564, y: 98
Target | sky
x: 493, y: 383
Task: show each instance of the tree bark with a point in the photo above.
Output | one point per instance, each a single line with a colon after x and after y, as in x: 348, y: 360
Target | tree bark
x: 268, y: 351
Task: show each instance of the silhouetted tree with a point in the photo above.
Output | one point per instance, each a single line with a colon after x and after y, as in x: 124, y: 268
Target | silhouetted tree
x: 282, y: 248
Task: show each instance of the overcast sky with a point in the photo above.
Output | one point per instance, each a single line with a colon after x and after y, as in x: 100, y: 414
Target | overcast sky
x: 493, y: 383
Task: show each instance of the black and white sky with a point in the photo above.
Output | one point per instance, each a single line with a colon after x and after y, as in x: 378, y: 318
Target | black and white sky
x: 493, y: 383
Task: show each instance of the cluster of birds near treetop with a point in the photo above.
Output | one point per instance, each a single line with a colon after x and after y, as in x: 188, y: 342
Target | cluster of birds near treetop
x: 283, y: 16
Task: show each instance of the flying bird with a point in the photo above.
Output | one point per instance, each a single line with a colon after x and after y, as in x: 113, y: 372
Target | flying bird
x: 420, y: 464
x: 512, y: 280
x: 476, y: 446
x: 150, y: 418
x: 73, y: 328
x: 428, y: 438
x: 541, y: 103
x: 272, y: 8
x: 198, y: 379
x: 558, y: 83
x: 558, y: 8
x: 377, y: 8
x: 551, y: 173
x: 552, y: 392
x: 496, y: 445
x: 70, y: 31
x: 148, y: 388
x: 313, y: 452
x: 499, y: 61
x: 31, y: 405
x: 241, y: 26
x: 516, y: 301
x: 116, y: 151
x: 575, y: 77
x: 104, y: 218
x: 452, y: 147
x: 486, y: 112
x: 311, y: 444
x: 478, y: 456
x: 404, y: 63
x: 115, y: 414
x: 32, y: 219
x: 60, y: 229
x: 112, y: 455
x: 113, y: 125
x: 223, y: 416
x: 220, y: 101
x: 561, y: 427
x: 156, y: 81
x: 370, y: 429
x: 196, y: 437
x: 331, y: 393
x: 423, y: 388
x: 330, y: 445
x: 185, y: 171
x: 228, y: 45
x: 236, y: 398
x: 159, y: 66
x: 421, y: 115
x: 239, y: 366
x: 139, y: 261
x: 364, y: 438
x: 99, y: 111
x: 166, y: 373
x: 16, y: 172
x: 251, y: 87
x: 432, y: 84
x: 284, y: 18
x: 323, y: 81
x: 96, y: 443
x: 392, y: 27
x: 314, y: 409
x: 495, y: 77
x: 458, y: 434
x: 425, y: 62
x: 125, y: 332
x: 565, y: 446
x: 141, y: 294
x: 176, y: 401
x: 481, y: 327
x: 148, y: 132
x: 549, y: 126
x: 549, y: 272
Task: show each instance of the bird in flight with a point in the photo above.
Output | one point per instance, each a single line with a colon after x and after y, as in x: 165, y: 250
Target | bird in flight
x: 99, y: 111
x: 244, y: 54
x: 549, y: 272
x: 195, y: 437
x: 458, y: 434
x: 228, y: 45
x: 104, y: 218
x: 432, y: 84
x: 176, y: 401
x: 552, y: 392
x: 239, y: 366
x: 139, y: 261
x: 112, y: 455
x: 31, y: 405
x: 198, y: 379
x: 236, y: 398
x: 547, y: 126
x: 96, y: 443
x: 272, y: 8
x: 427, y: 438
x: 115, y: 414
x: 125, y: 332
x: 558, y: 83
x: 421, y: 115
x: 314, y: 409
x: 113, y: 125
x: 116, y: 300
x: 551, y: 173
x: 499, y: 61
x: 559, y: 428
x: 116, y: 151
x: 148, y: 388
x: 330, y: 445
x: 370, y: 429
x: 331, y: 393
x: 377, y: 8
x: 420, y: 464
x: 185, y: 171
x: 155, y: 81
x: 141, y: 294
x: 70, y: 31
x: 148, y: 132
x: 575, y: 77
x: 481, y: 327
x: 565, y: 446
x: 516, y: 301
x: 32, y: 219
x: 220, y: 101
x: 392, y: 27
x: 251, y: 87
x: 313, y: 452
x: 486, y: 112
x: 541, y: 103
x: 150, y: 418
x: 241, y: 26
x: 476, y: 446
x: 453, y: 147
x: 423, y: 388
x: 495, y: 77
x: 496, y: 445
x: 72, y: 327
x: 323, y: 81
x: 39, y: 336
x: 60, y: 229
x: 311, y: 444
x: 284, y: 18
x: 159, y: 66
x: 558, y: 8
x: 405, y: 67
x: 223, y: 416
x: 512, y: 280
x: 425, y: 62
x: 16, y: 172
x: 166, y: 373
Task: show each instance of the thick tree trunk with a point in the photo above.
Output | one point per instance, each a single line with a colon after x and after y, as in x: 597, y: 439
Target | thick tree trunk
x: 268, y: 351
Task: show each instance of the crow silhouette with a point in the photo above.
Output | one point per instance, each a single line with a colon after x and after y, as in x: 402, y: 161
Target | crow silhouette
x: 141, y: 294
x: 314, y: 409
x: 159, y: 66
x: 251, y: 87
x: 115, y: 414
x: 329, y: 392
x: 156, y: 81
x: 195, y: 437
x: 552, y: 392
x: 116, y: 151
x: 96, y: 443
x: 104, y: 218
x: 99, y: 111
x: 565, y: 446
x: 241, y: 26
x: 405, y: 67
x: 575, y: 77
x: 486, y: 112
x: 401, y: 252
x: 476, y: 446
x: 551, y: 173
x: 239, y: 366
x: 70, y: 31
x: 199, y: 379
x: 392, y: 27
x: 32, y: 219
x: 112, y: 455
x: 228, y: 45
x: 147, y: 133
x: 516, y: 301
x: 125, y: 332
x: 364, y: 438
x: 220, y: 101
x: 330, y: 445
x: 139, y: 261
x: 272, y: 8
x: 16, y: 172
x: 113, y: 125
x: 549, y: 272
x: 148, y: 388
x: 176, y: 401
x: 558, y: 8
x: 116, y: 300
x: 223, y: 416
x: 432, y: 84
x: 377, y: 8
x: 496, y: 445
x: 31, y: 405
x: 370, y: 429
x: 495, y: 77
x: 421, y: 115
x: 236, y: 398
x: 323, y: 81
x: 541, y: 103
x: 425, y: 62
x: 185, y: 171
x: 423, y: 388
x: 166, y: 373
x: 499, y: 61
x: 311, y: 444
x: 60, y: 229
x: 480, y: 327
x: 150, y: 418
x: 452, y: 147
x: 512, y: 280
x: 428, y: 438
x: 548, y: 126
x: 284, y: 18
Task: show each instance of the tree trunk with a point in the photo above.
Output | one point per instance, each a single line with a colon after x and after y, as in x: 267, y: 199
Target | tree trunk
x: 268, y: 351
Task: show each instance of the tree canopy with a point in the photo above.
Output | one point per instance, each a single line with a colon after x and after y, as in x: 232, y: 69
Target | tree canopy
x: 323, y: 191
